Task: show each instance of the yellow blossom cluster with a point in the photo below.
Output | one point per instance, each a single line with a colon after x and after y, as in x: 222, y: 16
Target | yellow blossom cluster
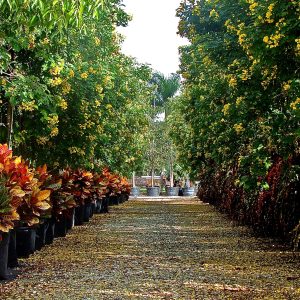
x: 273, y: 40
x: 3, y: 81
x: 245, y: 75
x: 99, y: 88
x: 295, y: 104
x: 232, y: 81
x: 56, y: 70
x: 71, y: 73
x: 238, y: 128
x: 297, y: 46
x: 66, y: 88
x: 206, y: 61
x: 107, y: 80
x: 92, y: 70
x: 54, y: 132
x: 239, y: 100
x: 214, y: 14
x: 252, y: 5
x: 225, y: 109
x: 269, y: 75
x: 84, y: 75
x: 45, y: 41
x: 52, y: 120
x: 42, y: 140
x: 55, y: 81
x: 97, y: 41
x: 286, y: 86
x: 62, y: 103
x: 76, y: 150
x: 28, y: 106
x: 97, y: 103
x: 269, y: 13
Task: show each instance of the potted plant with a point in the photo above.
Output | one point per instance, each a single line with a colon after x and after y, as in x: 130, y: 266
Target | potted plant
x: 188, y: 190
x: 8, y: 215
x: 135, y: 190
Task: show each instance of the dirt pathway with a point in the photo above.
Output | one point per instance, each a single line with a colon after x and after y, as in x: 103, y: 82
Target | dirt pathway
x: 158, y: 250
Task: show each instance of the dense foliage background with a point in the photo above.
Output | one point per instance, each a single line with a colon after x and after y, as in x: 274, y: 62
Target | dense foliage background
x: 69, y: 97
x: 236, y: 124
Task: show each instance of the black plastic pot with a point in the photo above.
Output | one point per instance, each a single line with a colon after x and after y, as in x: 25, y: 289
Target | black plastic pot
x: 25, y: 241
x: 12, y: 260
x: 60, y: 227
x: 4, y: 244
x: 98, y: 206
x: 93, y: 209
x: 50, y: 232
x: 87, y: 212
x: 79, y: 215
x: 41, y: 232
x: 114, y: 200
x: 70, y: 218
x: 104, y: 206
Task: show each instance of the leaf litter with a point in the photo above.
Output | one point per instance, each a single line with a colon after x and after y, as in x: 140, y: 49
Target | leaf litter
x: 158, y: 250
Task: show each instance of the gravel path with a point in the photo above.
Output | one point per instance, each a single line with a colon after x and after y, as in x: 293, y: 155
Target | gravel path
x: 180, y: 249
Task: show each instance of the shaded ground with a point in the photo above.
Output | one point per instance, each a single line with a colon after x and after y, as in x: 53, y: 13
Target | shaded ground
x: 158, y: 250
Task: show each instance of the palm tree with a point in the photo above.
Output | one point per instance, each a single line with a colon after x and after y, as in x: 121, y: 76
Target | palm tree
x: 166, y: 88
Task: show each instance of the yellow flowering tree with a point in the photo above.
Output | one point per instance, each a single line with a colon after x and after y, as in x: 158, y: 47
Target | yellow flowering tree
x: 241, y: 107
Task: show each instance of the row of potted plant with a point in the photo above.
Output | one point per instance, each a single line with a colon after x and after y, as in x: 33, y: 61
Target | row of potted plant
x: 37, y: 205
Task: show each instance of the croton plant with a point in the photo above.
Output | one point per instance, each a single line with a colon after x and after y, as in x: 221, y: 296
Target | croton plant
x: 29, y: 195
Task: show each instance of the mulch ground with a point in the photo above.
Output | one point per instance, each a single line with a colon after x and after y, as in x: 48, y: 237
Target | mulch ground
x: 181, y: 249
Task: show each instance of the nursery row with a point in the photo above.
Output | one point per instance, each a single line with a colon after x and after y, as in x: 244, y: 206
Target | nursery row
x: 37, y: 205
x: 239, y: 111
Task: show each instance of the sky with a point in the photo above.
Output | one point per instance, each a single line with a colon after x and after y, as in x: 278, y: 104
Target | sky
x: 151, y: 35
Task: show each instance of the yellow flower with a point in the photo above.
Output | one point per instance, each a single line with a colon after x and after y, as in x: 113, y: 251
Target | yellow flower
x: 238, y: 128
x: 286, y: 86
x: 53, y: 120
x: 214, y: 14
x: 253, y: 6
x: 108, y: 106
x: 45, y: 41
x: 245, y: 75
x: 296, y: 104
x: 63, y: 104
x: 54, y: 132
x: 56, y: 70
x: 91, y: 70
x: 239, y: 100
x: 84, y: 75
x: 66, y: 88
x: 42, y: 140
x: 71, y: 73
x: 99, y: 88
x: 56, y: 81
x: 232, y: 81
x: 28, y: 106
x: 297, y: 46
x: 97, y: 41
x: 269, y: 13
x: 225, y: 109
x: 266, y: 39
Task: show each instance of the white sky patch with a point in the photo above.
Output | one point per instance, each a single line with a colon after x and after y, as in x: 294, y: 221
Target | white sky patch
x: 151, y: 36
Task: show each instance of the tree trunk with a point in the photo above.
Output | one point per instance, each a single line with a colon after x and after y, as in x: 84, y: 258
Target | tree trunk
x: 133, y: 179
x: 152, y: 177
x: 10, y: 122
x: 171, y: 174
